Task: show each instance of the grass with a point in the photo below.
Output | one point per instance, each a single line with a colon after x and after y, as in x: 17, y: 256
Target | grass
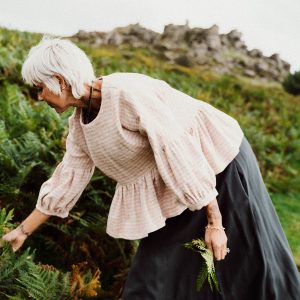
x: 288, y: 209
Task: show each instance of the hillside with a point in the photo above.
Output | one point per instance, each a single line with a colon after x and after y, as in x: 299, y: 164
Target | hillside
x: 32, y: 143
x: 189, y: 47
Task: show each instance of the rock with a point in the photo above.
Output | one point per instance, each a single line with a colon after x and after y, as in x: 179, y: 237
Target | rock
x: 255, y: 53
x: 188, y: 46
x: 170, y: 55
x: 249, y: 73
x: 234, y: 35
x: 218, y: 57
x: 275, y: 57
x: 134, y: 34
x: 173, y: 36
x: 240, y: 45
x: 286, y: 66
x: 263, y: 69
x: 184, y: 60
x: 213, y: 42
x: 199, y: 52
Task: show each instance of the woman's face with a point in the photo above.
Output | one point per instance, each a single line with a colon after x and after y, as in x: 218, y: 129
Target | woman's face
x: 59, y: 102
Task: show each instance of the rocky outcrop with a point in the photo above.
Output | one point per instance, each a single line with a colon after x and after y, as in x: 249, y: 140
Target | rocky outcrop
x: 223, y: 53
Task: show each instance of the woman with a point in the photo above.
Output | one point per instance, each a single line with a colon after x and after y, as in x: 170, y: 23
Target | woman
x: 184, y: 169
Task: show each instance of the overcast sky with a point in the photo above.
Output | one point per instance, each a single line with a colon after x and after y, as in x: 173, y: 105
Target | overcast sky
x: 269, y: 25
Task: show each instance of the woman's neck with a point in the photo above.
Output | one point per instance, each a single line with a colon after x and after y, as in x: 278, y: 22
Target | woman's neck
x: 95, y: 97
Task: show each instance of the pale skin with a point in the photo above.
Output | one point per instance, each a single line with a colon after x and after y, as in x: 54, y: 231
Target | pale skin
x: 215, y: 239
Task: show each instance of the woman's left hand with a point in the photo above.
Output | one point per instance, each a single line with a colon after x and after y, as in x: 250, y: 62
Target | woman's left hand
x: 216, y: 241
x: 215, y: 238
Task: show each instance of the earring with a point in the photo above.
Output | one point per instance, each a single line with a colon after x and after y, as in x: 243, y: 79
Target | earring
x: 64, y: 87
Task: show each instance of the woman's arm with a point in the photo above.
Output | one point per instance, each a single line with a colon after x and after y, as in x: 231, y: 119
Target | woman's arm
x: 34, y: 220
x: 17, y: 236
x: 213, y: 213
x: 61, y: 191
x: 215, y: 237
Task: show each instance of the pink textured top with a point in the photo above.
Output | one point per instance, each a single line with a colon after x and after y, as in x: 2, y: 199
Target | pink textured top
x: 162, y: 146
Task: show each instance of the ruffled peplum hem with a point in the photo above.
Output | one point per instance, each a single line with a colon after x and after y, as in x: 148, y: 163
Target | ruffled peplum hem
x: 141, y: 207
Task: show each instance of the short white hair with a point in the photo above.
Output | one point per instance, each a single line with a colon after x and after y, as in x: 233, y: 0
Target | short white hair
x: 56, y: 55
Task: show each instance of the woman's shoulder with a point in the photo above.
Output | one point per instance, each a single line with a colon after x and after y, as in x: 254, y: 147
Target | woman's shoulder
x: 116, y: 76
x: 74, y: 123
x: 127, y: 81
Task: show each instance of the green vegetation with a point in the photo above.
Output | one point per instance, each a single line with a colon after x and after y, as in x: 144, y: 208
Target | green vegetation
x: 292, y: 83
x: 208, y: 268
x: 32, y: 143
x: 288, y: 209
x: 21, y: 278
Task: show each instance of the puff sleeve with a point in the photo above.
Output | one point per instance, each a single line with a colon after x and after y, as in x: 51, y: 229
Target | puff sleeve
x: 178, y: 155
x: 60, y: 192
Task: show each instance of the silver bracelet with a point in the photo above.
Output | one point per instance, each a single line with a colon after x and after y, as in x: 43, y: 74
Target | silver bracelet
x: 214, y: 227
x: 23, y: 231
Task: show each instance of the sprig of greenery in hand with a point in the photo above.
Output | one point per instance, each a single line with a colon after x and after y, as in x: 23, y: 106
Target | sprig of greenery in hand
x: 208, y: 270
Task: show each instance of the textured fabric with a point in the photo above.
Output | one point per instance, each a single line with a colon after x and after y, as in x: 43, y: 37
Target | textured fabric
x: 260, y: 265
x: 162, y: 146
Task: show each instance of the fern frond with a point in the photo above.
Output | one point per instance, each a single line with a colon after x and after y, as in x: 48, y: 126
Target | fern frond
x: 208, y: 268
x: 201, y: 278
x: 215, y: 281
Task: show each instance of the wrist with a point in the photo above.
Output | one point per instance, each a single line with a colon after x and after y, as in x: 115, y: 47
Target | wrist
x: 220, y: 227
x: 23, y: 230
x: 213, y: 213
x: 215, y: 221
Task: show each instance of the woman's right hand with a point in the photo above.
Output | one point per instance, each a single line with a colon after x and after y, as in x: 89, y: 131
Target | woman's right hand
x: 15, y: 237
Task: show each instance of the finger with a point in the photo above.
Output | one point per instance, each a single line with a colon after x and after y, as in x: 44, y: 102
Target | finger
x: 217, y: 252
x: 209, y: 246
x: 15, y: 247
x: 207, y: 241
x: 223, y: 252
x: 6, y: 238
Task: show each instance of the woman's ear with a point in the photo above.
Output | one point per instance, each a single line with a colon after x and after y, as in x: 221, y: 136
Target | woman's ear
x: 61, y: 81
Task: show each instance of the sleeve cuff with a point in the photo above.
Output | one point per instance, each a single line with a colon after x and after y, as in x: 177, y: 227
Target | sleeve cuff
x: 61, y: 213
x: 204, y: 201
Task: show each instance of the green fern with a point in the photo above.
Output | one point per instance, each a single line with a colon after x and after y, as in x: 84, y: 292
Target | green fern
x: 42, y: 284
x: 30, y: 137
x: 208, y: 270
x: 22, y: 278
x: 201, y: 278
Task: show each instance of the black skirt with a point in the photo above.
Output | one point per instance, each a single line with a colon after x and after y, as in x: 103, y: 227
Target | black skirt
x: 260, y: 265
